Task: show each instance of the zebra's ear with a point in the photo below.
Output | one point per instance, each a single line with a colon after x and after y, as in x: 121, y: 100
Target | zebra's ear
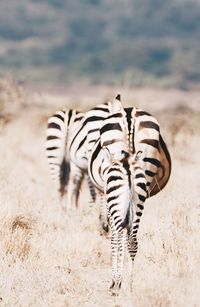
x: 118, y: 97
x: 116, y: 105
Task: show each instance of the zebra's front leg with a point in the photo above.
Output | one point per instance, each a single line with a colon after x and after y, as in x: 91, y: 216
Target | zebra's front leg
x: 75, y: 180
x: 118, y: 244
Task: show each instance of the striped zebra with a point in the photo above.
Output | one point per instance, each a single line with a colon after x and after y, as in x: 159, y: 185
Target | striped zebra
x: 80, y: 144
x: 129, y: 163
x: 71, y: 136
x: 67, y: 149
x: 82, y: 140
x: 60, y: 126
x: 66, y: 175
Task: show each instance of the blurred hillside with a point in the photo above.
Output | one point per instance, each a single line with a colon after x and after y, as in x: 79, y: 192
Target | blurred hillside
x: 131, y: 42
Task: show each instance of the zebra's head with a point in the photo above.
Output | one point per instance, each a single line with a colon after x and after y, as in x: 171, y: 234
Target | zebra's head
x: 113, y: 132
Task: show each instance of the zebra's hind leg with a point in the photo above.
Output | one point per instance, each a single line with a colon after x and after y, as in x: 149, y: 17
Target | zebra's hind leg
x: 132, y: 241
x: 118, y: 245
x: 103, y: 214
x: 92, y: 190
x: 132, y: 235
x: 132, y: 245
x: 140, y: 196
x: 75, y: 181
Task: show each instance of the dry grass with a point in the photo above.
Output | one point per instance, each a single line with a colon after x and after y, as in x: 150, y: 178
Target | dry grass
x: 51, y: 258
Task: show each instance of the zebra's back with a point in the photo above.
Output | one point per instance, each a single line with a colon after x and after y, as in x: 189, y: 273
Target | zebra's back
x: 146, y: 143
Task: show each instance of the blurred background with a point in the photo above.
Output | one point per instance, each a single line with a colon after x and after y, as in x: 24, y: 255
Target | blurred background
x: 58, y: 54
x: 126, y: 42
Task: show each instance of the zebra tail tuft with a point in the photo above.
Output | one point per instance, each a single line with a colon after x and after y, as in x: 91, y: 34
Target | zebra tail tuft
x: 64, y: 176
x: 128, y: 219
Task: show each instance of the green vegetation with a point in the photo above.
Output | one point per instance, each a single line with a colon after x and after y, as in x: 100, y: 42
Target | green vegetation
x: 136, y: 42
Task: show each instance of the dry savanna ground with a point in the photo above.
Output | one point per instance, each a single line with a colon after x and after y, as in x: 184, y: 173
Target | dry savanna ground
x: 53, y: 258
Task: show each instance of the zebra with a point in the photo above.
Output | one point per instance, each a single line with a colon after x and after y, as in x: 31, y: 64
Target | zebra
x: 128, y: 165
x: 83, y: 138
x: 66, y: 173
x: 71, y: 135
x: 60, y: 125
x: 79, y: 146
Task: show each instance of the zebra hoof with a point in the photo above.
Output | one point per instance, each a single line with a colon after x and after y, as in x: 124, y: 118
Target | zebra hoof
x: 105, y: 227
x: 115, y: 293
x: 104, y: 230
x: 115, y: 288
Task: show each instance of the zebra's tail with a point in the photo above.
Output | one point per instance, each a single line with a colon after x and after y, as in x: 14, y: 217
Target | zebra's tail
x: 56, y: 142
x: 64, y: 170
x: 64, y: 176
x: 128, y: 214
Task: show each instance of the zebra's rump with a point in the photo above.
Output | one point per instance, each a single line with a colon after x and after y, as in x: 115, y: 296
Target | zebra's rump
x: 60, y: 125
x: 161, y: 178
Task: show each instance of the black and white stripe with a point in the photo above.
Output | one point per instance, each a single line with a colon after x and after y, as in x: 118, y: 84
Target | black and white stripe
x: 60, y: 126
x: 127, y: 160
x: 128, y: 163
x: 125, y: 190
x: 83, y: 138
x: 71, y: 136
x: 79, y: 146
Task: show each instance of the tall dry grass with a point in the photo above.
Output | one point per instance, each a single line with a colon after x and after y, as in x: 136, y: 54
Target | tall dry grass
x: 53, y: 258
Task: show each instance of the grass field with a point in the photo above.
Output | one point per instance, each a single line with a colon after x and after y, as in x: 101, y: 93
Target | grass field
x: 53, y: 258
